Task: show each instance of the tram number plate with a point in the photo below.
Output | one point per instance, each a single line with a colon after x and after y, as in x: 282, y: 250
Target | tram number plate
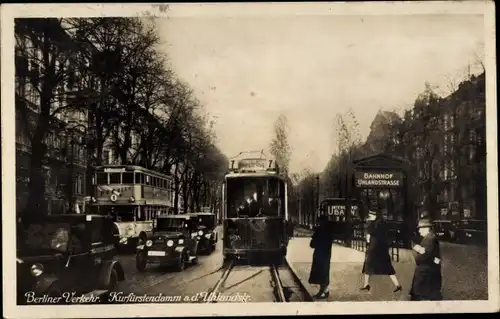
x: 156, y: 253
x: 440, y: 234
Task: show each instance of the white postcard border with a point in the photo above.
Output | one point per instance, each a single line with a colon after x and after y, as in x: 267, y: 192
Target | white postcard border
x: 10, y: 11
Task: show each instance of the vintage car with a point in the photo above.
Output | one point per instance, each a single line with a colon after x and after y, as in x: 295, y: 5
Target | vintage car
x: 63, y: 254
x: 173, y: 242
x: 471, y: 231
x: 445, y: 229
x: 207, y: 231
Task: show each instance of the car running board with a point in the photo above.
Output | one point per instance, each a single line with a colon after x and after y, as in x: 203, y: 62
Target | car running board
x: 191, y: 258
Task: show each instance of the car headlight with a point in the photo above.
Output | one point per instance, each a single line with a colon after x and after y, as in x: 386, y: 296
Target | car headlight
x: 200, y: 233
x: 149, y: 243
x: 181, y: 241
x: 36, y: 270
x: 170, y: 243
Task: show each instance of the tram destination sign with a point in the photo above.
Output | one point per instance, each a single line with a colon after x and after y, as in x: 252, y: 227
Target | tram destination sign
x: 379, y: 179
x: 256, y: 164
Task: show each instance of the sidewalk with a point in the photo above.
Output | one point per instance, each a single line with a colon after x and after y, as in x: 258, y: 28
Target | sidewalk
x: 345, y: 274
x: 300, y: 231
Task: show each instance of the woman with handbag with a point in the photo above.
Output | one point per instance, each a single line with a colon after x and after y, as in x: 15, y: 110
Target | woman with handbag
x: 321, y: 242
x: 377, y: 258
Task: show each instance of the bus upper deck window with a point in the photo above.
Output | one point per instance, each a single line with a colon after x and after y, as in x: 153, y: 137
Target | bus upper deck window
x: 102, y: 178
x: 139, y: 178
x: 127, y: 178
x: 114, y: 178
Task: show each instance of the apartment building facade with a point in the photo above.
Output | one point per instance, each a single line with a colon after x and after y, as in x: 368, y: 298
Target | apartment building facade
x: 459, y: 157
x: 64, y: 162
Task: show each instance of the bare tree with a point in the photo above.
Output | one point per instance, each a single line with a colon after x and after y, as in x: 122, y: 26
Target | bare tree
x: 45, y: 51
x: 280, y: 147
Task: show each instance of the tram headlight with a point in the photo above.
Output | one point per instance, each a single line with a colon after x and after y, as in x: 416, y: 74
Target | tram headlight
x: 36, y: 270
x: 149, y: 243
x: 200, y: 233
x: 170, y: 243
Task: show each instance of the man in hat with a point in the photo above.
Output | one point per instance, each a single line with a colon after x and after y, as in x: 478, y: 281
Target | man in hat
x: 427, y: 278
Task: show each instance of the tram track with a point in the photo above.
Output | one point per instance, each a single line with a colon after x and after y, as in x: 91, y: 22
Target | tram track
x: 284, y: 285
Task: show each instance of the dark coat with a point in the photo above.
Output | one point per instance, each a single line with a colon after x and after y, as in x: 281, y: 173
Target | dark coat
x: 321, y: 241
x: 427, y: 279
x: 289, y: 228
x: 377, y: 258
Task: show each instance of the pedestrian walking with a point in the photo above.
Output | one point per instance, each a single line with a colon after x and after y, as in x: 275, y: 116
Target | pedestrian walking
x: 427, y: 279
x: 377, y: 258
x: 321, y: 242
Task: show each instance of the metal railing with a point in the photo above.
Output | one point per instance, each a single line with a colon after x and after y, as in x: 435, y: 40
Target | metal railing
x: 358, y: 241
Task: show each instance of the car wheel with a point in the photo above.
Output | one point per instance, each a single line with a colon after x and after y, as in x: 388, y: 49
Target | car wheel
x: 140, y: 262
x: 214, y: 246
x: 181, y: 263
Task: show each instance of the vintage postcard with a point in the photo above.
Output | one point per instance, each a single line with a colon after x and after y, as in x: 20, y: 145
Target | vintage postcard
x: 249, y: 159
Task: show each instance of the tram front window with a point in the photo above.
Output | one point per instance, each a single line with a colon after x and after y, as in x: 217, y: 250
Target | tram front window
x: 254, y: 197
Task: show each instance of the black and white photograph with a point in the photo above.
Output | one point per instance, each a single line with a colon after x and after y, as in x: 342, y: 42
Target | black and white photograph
x: 176, y: 159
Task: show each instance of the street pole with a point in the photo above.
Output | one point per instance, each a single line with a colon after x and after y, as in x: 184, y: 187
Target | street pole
x: 317, y: 194
x: 348, y: 198
x: 300, y: 209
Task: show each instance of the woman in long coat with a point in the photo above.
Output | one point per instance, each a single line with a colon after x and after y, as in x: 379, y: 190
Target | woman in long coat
x: 426, y: 284
x: 377, y: 258
x: 321, y: 242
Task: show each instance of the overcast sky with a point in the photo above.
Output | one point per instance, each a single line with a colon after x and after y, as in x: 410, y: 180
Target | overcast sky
x: 249, y: 70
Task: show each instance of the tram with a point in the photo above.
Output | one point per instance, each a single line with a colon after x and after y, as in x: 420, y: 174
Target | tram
x: 255, y: 211
x: 133, y: 196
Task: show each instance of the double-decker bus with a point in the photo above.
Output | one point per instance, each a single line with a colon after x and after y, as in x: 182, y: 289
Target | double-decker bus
x: 255, y: 211
x: 133, y: 196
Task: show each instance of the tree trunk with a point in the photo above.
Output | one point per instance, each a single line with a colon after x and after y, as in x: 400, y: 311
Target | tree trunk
x: 185, y: 188
x: 176, y: 188
x: 36, y: 200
